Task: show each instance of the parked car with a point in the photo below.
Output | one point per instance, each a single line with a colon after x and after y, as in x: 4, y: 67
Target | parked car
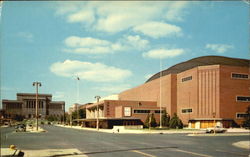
x: 216, y: 129
x: 20, y: 128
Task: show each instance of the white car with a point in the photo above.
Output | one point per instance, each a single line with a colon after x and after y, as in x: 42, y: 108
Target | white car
x: 216, y: 129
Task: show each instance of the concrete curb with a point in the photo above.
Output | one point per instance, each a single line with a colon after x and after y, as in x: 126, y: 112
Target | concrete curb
x: 127, y: 131
x: 220, y: 134
x: 242, y: 144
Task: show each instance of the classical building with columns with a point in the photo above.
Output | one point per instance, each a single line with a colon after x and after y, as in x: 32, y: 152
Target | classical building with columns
x: 25, y: 106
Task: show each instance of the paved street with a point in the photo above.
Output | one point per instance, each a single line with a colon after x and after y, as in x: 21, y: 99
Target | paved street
x: 95, y: 144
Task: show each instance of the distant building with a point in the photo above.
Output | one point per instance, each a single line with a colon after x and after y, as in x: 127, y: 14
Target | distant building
x: 117, y: 112
x: 73, y: 108
x: 25, y: 106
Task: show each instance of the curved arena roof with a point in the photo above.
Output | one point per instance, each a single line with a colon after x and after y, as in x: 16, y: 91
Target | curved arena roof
x: 202, y: 61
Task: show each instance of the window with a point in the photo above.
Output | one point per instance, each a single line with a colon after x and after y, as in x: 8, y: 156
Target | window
x: 127, y: 111
x: 240, y: 76
x: 141, y: 111
x: 243, y: 98
x: 241, y: 115
x: 158, y: 111
x: 189, y: 110
x: 186, y: 78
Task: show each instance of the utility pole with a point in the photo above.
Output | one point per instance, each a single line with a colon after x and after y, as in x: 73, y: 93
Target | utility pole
x: 37, y: 84
x: 97, y: 119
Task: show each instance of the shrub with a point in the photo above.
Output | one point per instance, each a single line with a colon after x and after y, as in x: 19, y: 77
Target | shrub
x: 165, y: 119
x: 175, y: 122
x: 150, y: 121
x: 246, y: 122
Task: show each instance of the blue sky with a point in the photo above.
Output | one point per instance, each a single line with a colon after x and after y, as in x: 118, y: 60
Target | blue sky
x: 111, y: 46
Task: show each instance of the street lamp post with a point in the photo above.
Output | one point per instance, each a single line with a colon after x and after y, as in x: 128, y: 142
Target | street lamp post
x: 77, y: 112
x: 97, y: 118
x: 63, y: 108
x: 214, y: 114
x: 37, y: 84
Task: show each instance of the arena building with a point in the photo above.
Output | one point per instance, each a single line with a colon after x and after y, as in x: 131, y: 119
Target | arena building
x: 204, y: 91
x: 25, y: 106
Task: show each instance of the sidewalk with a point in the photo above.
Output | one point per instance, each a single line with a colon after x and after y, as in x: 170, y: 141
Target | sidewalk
x: 238, y: 130
x: 54, y: 152
x: 33, y: 129
x: 139, y: 131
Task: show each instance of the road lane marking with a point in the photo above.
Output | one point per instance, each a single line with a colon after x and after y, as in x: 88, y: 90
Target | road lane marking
x: 193, y: 153
x: 145, y: 154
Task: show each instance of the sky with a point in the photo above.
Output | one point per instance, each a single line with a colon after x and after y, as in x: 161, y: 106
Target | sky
x: 111, y: 46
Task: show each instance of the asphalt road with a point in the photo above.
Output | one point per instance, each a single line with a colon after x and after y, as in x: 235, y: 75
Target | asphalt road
x: 96, y: 144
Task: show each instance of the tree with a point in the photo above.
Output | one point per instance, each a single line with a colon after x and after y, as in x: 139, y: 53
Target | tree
x: 150, y: 121
x: 153, y: 121
x: 67, y: 118
x: 74, y: 115
x: 82, y: 113
x: 146, y: 123
x: 52, y: 118
x: 175, y: 122
x: 246, y: 122
x: 165, y: 119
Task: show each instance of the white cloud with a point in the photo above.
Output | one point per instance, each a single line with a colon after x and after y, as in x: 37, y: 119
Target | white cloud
x: 75, y: 41
x: 176, y: 12
x: 135, y: 42
x: 115, y: 17
x: 86, y: 16
x: 90, y: 45
x: 158, y: 29
x: 163, y: 53
x: 113, y: 88
x: 27, y: 36
x: 96, y: 72
x: 220, y: 48
x: 63, y: 8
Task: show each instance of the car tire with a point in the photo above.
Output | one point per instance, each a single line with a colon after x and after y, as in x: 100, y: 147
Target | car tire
x: 212, y: 131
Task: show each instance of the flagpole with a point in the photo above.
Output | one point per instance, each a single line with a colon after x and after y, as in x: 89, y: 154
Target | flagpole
x: 160, y: 92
